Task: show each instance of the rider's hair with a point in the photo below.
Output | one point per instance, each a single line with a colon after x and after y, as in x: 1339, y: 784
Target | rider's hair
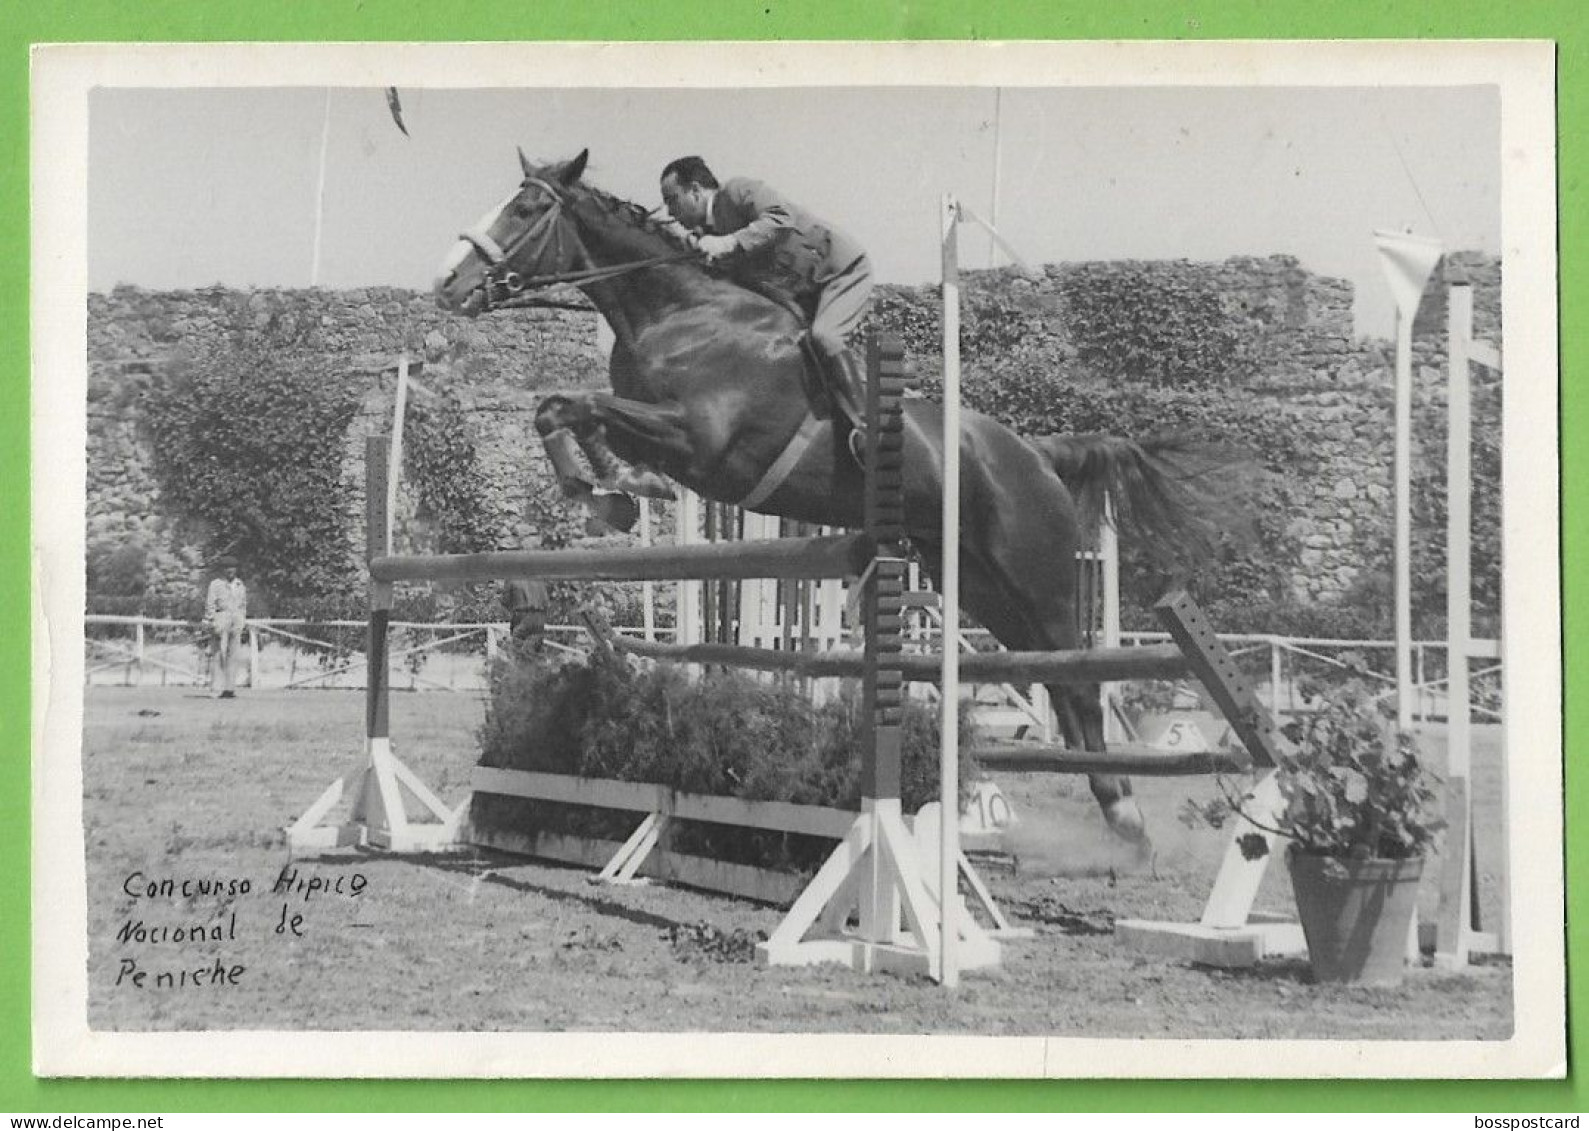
x: 690, y: 171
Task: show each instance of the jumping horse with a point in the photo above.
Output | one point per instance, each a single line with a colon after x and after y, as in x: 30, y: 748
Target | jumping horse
x: 710, y: 388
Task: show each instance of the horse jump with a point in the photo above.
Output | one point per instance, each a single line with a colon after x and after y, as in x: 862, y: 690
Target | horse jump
x: 874, y: 875
x: 873, y: 871
x: 708, y: 383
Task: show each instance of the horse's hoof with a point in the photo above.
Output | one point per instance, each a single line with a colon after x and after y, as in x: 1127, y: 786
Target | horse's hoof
x: 1125, y: 819
x: 617, y: 510
x: 647, y: 484
x: 579, y: 490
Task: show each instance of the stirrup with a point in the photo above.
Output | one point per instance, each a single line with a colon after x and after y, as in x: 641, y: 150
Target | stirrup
x: 856, y: 443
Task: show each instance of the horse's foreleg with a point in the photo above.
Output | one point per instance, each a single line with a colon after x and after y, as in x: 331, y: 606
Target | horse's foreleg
x: 569, y: 425
x: 651, y: 435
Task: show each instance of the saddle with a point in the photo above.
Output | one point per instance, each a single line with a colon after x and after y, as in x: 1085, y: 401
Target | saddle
x: 834, y: 392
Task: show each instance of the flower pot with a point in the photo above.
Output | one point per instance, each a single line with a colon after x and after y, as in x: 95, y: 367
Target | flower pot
x: 1355, y: 914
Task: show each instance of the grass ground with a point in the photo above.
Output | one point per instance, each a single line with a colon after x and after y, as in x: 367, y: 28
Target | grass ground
x: 183, y: 788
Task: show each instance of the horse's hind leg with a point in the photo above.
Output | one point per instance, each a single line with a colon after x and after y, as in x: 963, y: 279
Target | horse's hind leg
x: 987, y: 597
x: 1078, y: 707
x: 1018, y: 555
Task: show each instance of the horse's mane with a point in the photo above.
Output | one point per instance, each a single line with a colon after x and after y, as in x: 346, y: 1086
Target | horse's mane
x: 635, y: 218
x: 644, y: 234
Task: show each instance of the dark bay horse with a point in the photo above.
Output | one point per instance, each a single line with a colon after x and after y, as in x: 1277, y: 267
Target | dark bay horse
x: 709, y: 389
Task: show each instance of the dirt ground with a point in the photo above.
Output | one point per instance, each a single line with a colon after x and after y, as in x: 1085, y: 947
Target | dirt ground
x: 182, y: 789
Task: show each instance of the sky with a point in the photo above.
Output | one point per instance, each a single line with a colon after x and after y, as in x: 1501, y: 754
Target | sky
x: 194, y: 187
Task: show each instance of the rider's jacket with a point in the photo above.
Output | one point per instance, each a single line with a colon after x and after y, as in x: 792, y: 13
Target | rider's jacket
x: 781, y: 244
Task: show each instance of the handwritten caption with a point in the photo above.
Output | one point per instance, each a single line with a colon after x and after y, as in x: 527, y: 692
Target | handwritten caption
x: 175, y: 920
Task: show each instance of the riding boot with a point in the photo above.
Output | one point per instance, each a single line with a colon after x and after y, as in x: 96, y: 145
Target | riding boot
x: 840, y: 376
x: 563, y: 451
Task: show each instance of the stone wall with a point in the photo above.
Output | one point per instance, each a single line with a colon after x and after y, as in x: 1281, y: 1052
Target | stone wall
x: 498, y: 367
x: 1344, y: 525
x: 1320, y: 382
x: 1332, y: 389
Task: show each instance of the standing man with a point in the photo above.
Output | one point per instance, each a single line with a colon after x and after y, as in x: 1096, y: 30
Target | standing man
x: 772, y: 244
x: 527, y: 601
x: 225, y: 613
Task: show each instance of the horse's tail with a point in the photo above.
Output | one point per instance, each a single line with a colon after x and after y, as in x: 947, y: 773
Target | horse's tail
x: 1176, y: 497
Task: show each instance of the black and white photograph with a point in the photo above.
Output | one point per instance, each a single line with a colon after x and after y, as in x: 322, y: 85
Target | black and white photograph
x: 499, y: 611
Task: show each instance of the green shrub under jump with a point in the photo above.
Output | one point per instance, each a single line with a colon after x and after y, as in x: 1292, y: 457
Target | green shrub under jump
x: 720, y: 733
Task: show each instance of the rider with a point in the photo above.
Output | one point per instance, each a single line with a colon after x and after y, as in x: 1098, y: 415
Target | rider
x: 766, y: 241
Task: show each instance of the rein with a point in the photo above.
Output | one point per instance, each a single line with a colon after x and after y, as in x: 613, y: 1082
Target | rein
x: 505, y: 288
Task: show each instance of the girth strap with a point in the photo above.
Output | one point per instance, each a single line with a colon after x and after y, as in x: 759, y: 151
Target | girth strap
x: 781, y: 467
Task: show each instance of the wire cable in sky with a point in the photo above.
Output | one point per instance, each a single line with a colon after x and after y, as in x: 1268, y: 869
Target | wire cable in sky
x: 1413, y: 181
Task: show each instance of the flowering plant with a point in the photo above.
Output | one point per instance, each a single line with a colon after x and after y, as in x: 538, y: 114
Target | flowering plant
x: 1353, y: 787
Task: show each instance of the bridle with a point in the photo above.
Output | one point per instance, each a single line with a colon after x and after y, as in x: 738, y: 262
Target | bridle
x: 504, y: 287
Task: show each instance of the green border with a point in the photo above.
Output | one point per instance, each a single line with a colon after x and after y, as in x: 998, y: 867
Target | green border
x: 23, y: 23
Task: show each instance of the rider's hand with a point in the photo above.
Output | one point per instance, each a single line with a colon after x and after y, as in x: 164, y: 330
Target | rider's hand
x: 716, y: 247
x: 679, y: 232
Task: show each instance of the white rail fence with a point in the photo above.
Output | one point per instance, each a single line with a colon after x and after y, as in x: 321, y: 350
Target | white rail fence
x: 132, y: 651
x: 1291, y: 660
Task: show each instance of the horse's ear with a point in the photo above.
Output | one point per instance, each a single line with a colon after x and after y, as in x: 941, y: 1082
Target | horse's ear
x: 524, y: 163
x: 570, y: 172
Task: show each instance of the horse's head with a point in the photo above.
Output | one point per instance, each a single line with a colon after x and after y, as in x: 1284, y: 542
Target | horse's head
x: 528, y: 236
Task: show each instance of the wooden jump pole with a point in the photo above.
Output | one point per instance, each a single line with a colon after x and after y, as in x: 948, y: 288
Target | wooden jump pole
x: 1407, y: 261
x: 788, y: 558
x: 1455, y: 919
x: 383, y: 470
x: 1082, y: 665
x: 1137, y: 761
x: 1457, y: 933
x: 949, y: 594
x: 378, y: 544
x: 379, y: 817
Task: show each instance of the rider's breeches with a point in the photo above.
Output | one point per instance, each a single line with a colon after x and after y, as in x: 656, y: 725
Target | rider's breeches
x: 842, y: 307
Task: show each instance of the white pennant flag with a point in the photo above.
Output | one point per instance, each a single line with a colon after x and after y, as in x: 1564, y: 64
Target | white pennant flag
x: 1408, y: 261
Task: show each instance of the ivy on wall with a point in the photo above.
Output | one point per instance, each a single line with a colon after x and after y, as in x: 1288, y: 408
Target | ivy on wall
x: 1152, y: 349
x: 1140, y: 322
x: 439, y: 461
x: 441, y: 471
x: 249, y: 427
x: 1257, y: 555
x: 247, y: 434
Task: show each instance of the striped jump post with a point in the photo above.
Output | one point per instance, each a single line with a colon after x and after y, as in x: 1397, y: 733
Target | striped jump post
x: 379, y: 817
x: 876, y: 873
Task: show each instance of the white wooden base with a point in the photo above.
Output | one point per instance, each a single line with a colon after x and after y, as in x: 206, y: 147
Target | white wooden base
x: 645, y: 854
x: 925, y: 828
x: 379, y: 817
x: 1482, y: 944
x: 739, y: 880
x: 1226, y: 947
x: 870, y: 908
x: 625, y: 864
x: 1229, y: 934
